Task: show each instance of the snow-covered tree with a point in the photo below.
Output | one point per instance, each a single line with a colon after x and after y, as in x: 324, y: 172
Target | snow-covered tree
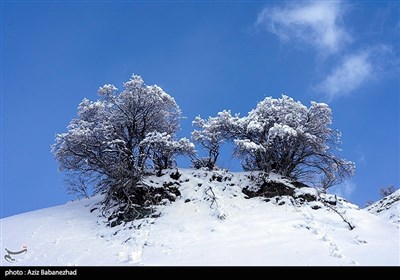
x: 105, y: 142
x: 162, y: 149
x: 385, y: 191
x: 285, y: 137
x: 210, y: 136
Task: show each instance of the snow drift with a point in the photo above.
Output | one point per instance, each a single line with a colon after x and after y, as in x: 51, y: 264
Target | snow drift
x: 212, y: 222
x: 388, y: 207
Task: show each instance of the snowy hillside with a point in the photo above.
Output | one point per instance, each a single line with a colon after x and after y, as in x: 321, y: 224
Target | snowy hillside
x: 388, y: 207
x: 196, y: 229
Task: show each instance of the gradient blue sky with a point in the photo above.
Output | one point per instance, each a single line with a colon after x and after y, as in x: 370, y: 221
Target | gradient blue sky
x: 210, y: 56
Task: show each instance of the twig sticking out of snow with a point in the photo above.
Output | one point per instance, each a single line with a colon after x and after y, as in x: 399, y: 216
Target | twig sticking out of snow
x: 342, y: 215
x: 213, y: 197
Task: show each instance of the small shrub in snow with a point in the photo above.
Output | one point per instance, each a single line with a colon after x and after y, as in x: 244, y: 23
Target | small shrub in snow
x: 210, y: 136
x: 387, y: 191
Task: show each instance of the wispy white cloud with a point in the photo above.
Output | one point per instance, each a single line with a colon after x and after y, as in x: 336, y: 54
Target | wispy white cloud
x: 318, y: 24
x: 362, y: 158
x: 349, y: 75
x: 345, y: 189
x: 354, y: 71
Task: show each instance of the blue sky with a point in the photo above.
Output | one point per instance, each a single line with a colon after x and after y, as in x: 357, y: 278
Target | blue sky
x: 210, y: 56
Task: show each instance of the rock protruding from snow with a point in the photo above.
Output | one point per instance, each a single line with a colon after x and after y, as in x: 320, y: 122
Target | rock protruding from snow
x: 388, y: 207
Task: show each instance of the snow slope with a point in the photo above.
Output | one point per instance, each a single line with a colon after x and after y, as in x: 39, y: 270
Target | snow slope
x: 388, y: 207
x: 197, y: 230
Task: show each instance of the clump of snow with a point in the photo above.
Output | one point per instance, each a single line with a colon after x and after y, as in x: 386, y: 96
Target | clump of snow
x: 211, y: 223
x: 306, y: 191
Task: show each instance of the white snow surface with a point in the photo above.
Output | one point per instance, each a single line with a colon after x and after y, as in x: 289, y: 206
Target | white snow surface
x: 388, y: 207
x: 195, y: 230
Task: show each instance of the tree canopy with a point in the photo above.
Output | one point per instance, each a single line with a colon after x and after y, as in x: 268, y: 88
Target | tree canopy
x: 282, y: 136
x: 113, y: 140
